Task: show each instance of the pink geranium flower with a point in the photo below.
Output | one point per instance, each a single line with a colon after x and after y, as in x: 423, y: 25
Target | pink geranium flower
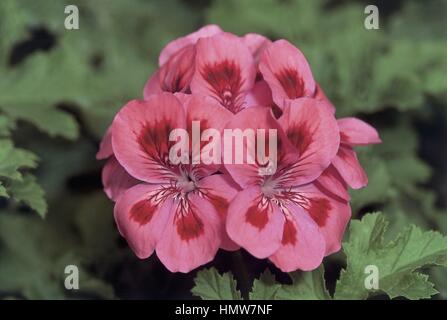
x: 176, y: 210
x: 294, y: 216
x: 287, y: 217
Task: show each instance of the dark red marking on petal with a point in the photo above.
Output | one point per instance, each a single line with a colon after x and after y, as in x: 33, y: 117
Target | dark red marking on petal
x: 176, y: 74
x: 219, y: 203
x: 257, y: 217
x: 226, y: 81
x: 342, y: 152
x: 189, y: 226
x: 300, y: 137
x: 142, y: 212
x: 289, y: 233
x: 291, y: 82
x: 154, y: 140
x: 319, y: 210
x: 344, y: 138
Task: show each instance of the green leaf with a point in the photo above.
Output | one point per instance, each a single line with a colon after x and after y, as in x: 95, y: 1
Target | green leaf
x: 30, y: 193
x: 210, y: 285
x: 3, y: 192
x: 265, y: 287
x: 306, y: 286
x: 396, y: 260
x: 12, y: 159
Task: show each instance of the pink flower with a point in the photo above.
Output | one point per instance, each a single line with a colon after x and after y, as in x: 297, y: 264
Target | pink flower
x: 176, y: 210
x: 295, y: 216
x: 287, y: 217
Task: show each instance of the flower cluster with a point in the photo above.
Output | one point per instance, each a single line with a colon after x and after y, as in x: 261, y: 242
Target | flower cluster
x: 185, y: 212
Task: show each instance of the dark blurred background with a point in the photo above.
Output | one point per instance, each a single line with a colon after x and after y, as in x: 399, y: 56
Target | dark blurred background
x: 59, y: 90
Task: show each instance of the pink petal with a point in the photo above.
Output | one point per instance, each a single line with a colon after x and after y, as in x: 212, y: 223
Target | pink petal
x: 220, y: 190
x: 302, y: 245
x: 312, y: 129
x: 331, y: 214
x: 173, y: 46
x: 320, y: 95
x: 105, y: 147
x: 141, y: 218
x: 286, y: 70
x: 259, y: 95
x: 225, y: 70
x: 175, y: 75
x: 115, y: 179
x: 348, y: 166
x: 355, y: 132
x: 255, y: 224
x: 333, y: 183
x: 256, y: 43
x: 140, y: 136
x: 192, y: 237
x: 248, y: 173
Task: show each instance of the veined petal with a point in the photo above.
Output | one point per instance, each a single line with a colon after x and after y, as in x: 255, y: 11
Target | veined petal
x: 302, y: 245
x: 332, y: 181
x: 255, y: 223
x: 356, y: 132
x: 141, y: 214
x: 174, y: 46
x: 331, y: 214
x: 350, y: 169
x: 115, y: 179
x: 220, y: 190
x: 140, y: 136
x: 312, y: 129
x: 193, y: 235
x: 286, y: 70
x: 225, y: 70
x: 244, y: 127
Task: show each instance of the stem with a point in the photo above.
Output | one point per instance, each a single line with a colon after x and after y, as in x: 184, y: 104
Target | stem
x: 241, y: 274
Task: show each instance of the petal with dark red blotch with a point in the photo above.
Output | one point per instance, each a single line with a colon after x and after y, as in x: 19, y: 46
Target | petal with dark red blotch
x: 246, y: 123
x: 140, y: 136
x: 302, y: 244
x: 115, y: 179
x: 255, y: 223
x: 349, y: 167
x: 286, y: 70
x: 356, y: 132
x: 105, y: 147
x: 330, y: 213
x: 220, y: 189
x: 312, y: 129
x: 332, y: 181
x: 225, y: 70
x: 174, y: 46
x: 141, y: 214
x: 175, y: 75
x: 192, y: 236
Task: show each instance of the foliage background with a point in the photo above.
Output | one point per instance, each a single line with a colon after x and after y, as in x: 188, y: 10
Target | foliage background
x: 59, y: 90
